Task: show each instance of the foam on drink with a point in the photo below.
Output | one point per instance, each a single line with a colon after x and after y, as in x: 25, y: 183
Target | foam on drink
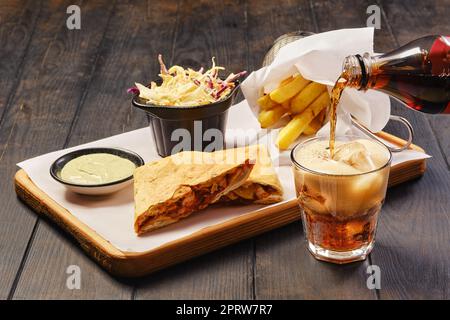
x: 349, y: 158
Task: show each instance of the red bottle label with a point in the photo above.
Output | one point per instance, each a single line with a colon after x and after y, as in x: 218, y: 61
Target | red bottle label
x: 440, y: 56
x: 447, y: 110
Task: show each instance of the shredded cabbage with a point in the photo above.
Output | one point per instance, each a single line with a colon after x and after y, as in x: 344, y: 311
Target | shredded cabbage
x: 187, y: 87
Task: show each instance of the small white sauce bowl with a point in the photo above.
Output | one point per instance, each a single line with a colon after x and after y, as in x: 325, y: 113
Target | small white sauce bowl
x: 95, y: 189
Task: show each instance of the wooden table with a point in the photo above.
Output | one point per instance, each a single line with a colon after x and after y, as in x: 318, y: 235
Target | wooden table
x: 60, y: 88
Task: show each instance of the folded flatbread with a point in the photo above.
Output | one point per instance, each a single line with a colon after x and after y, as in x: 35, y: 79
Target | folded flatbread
x: 263, y: 185
x: 174, y: 187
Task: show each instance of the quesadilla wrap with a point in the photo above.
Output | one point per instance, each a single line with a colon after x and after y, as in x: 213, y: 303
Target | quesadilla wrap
x: 174, y: 187
x: 263, y: 185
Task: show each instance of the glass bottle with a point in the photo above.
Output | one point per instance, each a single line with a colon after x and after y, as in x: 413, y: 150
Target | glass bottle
x: 417, y: 74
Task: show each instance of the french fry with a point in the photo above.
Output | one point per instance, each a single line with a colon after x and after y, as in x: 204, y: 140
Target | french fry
x: 287, y: 105
x: 265, y: 103
x: 288, y: 90
x: 269, y: 117
x: 302, y: 100
x: 315, y: 124
x: 300, y: 122
x: 286, y: 81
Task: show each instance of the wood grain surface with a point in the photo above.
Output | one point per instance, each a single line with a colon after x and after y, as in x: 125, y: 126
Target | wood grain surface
x: 61, y: 87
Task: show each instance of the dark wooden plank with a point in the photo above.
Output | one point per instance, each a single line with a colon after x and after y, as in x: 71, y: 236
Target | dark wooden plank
x: 138, y: 32
x: 206, y: 29
x: 267, y: 21
x: 56, y: 71
x: 440, y: 124
x: 17, y: 21
x: 333, y: 15
x: 284, y: 268
x: 48, y: 268
x: 221, y: 34
x: 222, y: 274
x: 413, y: 235
x: 412, y: 19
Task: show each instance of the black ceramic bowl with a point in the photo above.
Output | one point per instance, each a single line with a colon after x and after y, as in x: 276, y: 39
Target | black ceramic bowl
x: 94, y: 189
x: 196, y: 120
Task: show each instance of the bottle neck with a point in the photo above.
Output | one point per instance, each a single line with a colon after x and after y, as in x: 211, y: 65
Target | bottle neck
x: 358, y: 71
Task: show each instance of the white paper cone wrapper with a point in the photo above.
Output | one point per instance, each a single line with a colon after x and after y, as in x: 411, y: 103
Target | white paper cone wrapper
x: 319, y: 58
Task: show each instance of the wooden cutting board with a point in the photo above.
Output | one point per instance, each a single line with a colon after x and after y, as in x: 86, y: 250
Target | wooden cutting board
x: 129, y: 264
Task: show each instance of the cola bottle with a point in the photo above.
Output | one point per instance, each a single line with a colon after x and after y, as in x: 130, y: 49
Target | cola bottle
x: 417, y: 74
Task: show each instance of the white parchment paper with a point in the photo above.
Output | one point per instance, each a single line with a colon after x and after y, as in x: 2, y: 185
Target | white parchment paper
x: 112, y: 216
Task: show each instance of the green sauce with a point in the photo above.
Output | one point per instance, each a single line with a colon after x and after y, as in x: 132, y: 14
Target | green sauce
x: 97, y: 168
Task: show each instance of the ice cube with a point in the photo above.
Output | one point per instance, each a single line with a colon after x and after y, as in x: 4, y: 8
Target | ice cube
x: 378, y: 153
x: 369, y: 189
x: 316, y: 205
x: 354, y: 154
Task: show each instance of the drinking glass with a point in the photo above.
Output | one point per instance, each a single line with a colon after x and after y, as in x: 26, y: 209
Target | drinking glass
x: 340, y: 212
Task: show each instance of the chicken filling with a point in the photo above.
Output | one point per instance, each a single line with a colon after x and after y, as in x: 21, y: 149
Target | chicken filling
x: 251, y: 192
x: 197, y: 197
